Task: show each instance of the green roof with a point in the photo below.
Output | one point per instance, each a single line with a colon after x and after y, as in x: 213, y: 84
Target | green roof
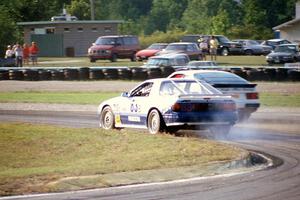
x: 71, y: 22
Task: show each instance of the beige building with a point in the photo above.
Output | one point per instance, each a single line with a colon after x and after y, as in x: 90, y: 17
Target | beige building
x: 67, y: 38
x: 291, y: 30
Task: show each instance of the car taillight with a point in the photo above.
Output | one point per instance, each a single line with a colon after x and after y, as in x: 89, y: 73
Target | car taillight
x: 252, y: 95
x: 178, y: 76
x: 176, y: 107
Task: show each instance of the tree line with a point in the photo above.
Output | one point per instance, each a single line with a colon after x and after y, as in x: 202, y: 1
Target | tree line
x: 252, y: 19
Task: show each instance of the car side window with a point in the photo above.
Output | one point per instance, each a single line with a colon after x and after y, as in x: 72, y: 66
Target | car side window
x: 190, y: 48
x: 143, y: 90
x: 119, y: 41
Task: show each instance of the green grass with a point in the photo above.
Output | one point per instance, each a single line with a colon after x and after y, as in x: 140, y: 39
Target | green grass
x: 267, y: 99
x: 281, y: 100
x: 84, y: 61
x: 57, y: 97
x: 33, y: 155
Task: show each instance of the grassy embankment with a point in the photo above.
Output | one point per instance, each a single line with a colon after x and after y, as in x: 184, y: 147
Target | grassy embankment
x: 35, y: 157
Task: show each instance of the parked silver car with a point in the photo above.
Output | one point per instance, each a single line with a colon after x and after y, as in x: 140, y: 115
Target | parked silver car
x: 167, y: 60
x: 252, y: 47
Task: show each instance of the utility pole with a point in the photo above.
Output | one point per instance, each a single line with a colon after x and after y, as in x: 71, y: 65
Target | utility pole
x: 92, y: 10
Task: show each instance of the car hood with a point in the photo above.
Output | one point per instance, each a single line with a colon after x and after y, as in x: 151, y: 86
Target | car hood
x: 101, y: 47
x: 147, y: 52
x: 280, y: 54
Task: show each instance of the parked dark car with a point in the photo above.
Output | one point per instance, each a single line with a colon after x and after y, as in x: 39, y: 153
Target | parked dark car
x: 113, y: 47
x: 252, y: 47
x: 225, y: 47
x: 285, y: 53
x: 168, y: 60
x: 275, y: 42
x: 188, y: 48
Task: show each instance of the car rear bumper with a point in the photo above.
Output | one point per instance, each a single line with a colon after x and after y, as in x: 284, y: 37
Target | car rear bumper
x: 196, y: 118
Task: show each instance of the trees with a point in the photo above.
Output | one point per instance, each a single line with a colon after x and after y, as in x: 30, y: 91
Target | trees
x: 234, y: 18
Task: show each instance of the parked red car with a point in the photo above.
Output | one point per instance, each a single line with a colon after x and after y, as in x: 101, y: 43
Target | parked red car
x: 113, y: 47
x: 150, y: 51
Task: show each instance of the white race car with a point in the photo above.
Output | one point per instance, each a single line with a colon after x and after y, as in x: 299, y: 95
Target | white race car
x: 243, y: 92
x: 169, y: 105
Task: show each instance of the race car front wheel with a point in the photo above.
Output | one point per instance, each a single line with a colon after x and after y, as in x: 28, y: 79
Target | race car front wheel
x: 154, y: 122
x: 107, y: 118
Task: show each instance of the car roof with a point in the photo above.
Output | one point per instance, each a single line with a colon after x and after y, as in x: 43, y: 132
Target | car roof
x: 179, y: 43
x: 282, y: 45
x: 117, y: 36
x: 171, y: 55
x: 190, y: 72
x: 159, y: 80
x: 276, y: 40
x: 160, y: 43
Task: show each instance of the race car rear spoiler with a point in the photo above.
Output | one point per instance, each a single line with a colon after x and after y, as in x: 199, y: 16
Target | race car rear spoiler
x: 227, y: 85
x: 204, y: 96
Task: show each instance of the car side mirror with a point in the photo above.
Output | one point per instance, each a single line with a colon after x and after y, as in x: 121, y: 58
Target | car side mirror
x: 124, y: 94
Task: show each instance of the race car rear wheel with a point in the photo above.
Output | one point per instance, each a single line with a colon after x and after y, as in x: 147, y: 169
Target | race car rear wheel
x: 107, y: 118
x: 154, y: 122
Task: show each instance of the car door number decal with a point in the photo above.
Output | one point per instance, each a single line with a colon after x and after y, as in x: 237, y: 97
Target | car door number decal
x: 134, y: 108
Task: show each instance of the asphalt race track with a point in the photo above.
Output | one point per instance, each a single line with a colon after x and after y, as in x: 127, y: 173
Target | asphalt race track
x: 281, y: 182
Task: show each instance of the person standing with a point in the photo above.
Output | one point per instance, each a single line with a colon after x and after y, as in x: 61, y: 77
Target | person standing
x: 204, y: 47
x: 33, y: 52
x: 19, y: 55
x: 25, y: 54
x: 213, y: 46
x: 9, y: 53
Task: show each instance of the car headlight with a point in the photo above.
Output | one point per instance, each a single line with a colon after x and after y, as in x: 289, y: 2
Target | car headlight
x: 268, y: 57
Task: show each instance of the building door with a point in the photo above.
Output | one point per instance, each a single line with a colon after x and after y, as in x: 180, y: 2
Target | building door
x: 49, y: 44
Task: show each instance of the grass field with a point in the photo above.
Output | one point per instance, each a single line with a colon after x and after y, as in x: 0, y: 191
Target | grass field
x: 84, y: 61
x: 266, y: 98
x: 34, y: 155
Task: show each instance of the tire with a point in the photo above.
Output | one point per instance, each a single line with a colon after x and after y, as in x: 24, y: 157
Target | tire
x: 133, y: 57
x: 96, y: 74
x: 114, y: 58
x: 154, y: 122
x: 224, y: 52
x: 248, y: 52
x: 107, y: 120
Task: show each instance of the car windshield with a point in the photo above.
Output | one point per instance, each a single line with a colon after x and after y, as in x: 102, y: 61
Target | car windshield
x: 176, y: 47
x: 106, y: 41
x: 287, y: 49
x: 252, y: 42
x: 202, y: 63
x: 188, y: 87
x: 223, y: 39
x: 159, y: 62
x: 220, y: 78
x: 157, y: 46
